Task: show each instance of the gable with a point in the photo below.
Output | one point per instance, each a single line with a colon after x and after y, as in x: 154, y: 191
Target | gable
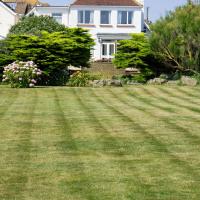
x: 8, y: 8
x: 107, y: 2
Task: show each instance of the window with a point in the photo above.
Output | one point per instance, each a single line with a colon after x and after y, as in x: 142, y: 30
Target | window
x: 104, y: 49
x: 57, y: 17
x: 85, y: 17
x: 125, y: 17
x: 111, y: 49
x: 105, y: 17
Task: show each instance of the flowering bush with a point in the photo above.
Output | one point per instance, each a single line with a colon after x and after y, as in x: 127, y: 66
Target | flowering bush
x: 21, y: 74
x: 82, y: 79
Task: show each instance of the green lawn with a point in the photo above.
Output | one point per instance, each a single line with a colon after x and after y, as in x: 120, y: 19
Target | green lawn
x: 131, y: 143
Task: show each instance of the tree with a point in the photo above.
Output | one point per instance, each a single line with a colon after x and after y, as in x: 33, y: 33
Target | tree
x: 176, y: 39
x: 52, y: 52
x: 135, y: 53
x: 34, y: 25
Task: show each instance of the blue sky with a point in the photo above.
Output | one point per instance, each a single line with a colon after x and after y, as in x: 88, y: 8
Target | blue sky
x: 157, y: 7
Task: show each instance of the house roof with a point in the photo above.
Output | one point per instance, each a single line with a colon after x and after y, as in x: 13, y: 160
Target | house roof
x: 22, y: 6
x: 8, y: 7
x: 31, y: 2
x: 108, y: 2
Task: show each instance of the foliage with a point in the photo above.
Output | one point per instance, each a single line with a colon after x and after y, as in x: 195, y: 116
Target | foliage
x: 127, y: 79
x: 81, y: 79
x: 52, y: 52
x: 33, y: 25
x: 21, y: 74
x: 176, y: 39
x: 131, y: 53
x: 134, y: 53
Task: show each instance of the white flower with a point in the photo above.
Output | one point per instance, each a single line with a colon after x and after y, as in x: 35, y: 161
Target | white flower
x: 39, y: 73
x: 20, y: 78
x: 31, y: 85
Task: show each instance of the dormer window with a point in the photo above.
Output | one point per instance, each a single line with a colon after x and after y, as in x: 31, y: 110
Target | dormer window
x: 125, y: 17
x: 85, y: 17
x: 105, y: 17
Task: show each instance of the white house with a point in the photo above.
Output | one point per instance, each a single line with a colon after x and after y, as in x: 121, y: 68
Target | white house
x: 107, y: 20
x: 59, y: 13
x: 8, y: 17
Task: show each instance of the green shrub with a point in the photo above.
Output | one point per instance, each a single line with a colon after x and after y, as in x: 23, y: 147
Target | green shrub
x: 135, y: 53
x: 52, y: 52
x: 21, y: 74
x: 139, y: 78
x: 82, y: 79
x: 175, y: 38
x: 33, y: 25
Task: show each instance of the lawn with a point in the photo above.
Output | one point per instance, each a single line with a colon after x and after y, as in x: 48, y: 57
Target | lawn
x: 136, y: 143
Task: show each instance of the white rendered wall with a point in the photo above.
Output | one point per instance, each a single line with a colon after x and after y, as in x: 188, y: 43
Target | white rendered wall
x: 137, y: 26
x: 97, y: 28
x: 70, y: 18
x: 7, y: 19
x: 49, y: 10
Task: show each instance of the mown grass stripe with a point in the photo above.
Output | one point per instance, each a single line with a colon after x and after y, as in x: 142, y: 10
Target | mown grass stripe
x: 195, y: 139
x: 17, y: 177
x: 7, y: 102
x: 190, y: 108
x: 189, y: 92
x: 69, y: 146
x: 158, y: 145
x: 176, y: 106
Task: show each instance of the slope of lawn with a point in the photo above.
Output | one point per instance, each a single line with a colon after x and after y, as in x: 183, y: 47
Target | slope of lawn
x: 136, y: 143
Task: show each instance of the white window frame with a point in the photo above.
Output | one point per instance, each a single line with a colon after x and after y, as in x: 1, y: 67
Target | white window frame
x: 84, y: 18
x: 108, y: 54
x: 127, y: 19
x: 109, y: 17
x: 58, y: 17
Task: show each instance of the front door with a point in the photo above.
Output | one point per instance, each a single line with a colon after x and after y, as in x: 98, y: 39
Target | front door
x: 108, y: 50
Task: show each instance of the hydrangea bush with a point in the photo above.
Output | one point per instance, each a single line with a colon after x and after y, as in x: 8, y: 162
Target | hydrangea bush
x: 21, y: 74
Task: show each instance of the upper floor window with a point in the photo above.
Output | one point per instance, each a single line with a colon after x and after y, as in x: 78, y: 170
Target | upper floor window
x: 105, y: 17
x: 57, y: 17
x: 125, y: 17
x: 85, y: 17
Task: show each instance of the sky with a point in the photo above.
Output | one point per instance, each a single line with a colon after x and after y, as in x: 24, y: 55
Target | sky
x: 157, y: 8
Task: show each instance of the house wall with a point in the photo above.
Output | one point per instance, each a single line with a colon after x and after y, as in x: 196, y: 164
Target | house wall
x: 49, y: 10
x: 114, y: 28
x: 96, y: 28
x: 7, y: 19
x: 70, y: 19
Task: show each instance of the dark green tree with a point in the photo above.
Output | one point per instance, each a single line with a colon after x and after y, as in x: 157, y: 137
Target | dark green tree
x: 52, y: 52
x: 176, y: 38
x: 34, y: 25
x: 135, y: 53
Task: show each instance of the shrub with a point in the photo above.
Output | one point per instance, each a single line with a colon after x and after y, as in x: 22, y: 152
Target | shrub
x: 126, y: 79
x: 52, y: 52
x: 21, y: 74
x: 135, y: 53
x: 33, y: 25
x: 175, y: 38
x: 81, y: 79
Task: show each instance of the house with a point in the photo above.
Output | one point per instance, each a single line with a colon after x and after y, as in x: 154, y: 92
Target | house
x: 12, y: 10
x: 108, y: 21
x: 59, y: 13
x: 8, y: 17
